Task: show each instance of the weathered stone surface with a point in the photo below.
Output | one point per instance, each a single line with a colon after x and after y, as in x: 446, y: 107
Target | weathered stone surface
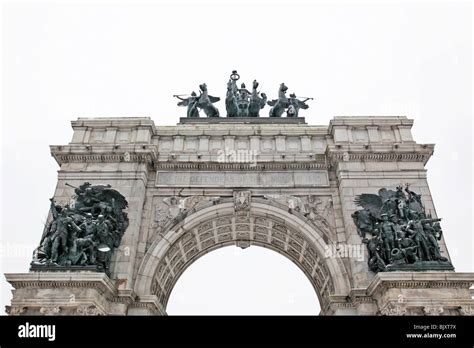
x: 242, y: 179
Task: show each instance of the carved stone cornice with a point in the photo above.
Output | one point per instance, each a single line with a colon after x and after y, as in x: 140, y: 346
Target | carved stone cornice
x: 335, y: 158
x: 119, y: 122
x: 99, y: 153
x: 380, y: 157
x: 125, y: 296
x: 152, y: 307
x: 363, y: 299
x: 103, y: 158
x: 419, y: 280
x: 337, y: 302
x: 150, y: 303
x: 61, y: 284
x: 340, y: 305
x: 418, y: 284
x: 379, y: 153
x: 97, y: 281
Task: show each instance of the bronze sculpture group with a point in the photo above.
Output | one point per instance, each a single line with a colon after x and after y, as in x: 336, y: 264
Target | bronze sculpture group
x: 240, y: 102
x: 86, y: 232
x: 404, y: 237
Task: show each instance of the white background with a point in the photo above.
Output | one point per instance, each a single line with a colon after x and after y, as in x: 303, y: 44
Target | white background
x: 63, y: 61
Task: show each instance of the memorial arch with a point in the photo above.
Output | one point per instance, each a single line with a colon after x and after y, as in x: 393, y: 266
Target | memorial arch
x: 262, y: 224
x: 153, y: 199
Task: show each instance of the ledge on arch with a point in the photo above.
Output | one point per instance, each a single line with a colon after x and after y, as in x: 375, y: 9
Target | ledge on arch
x: 243, y: 120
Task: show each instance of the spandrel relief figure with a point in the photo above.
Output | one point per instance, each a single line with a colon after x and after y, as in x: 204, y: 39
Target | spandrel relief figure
x: 318, y: 211
x: 171, y: 210
x: 168, y: 209
x: 292, y: 202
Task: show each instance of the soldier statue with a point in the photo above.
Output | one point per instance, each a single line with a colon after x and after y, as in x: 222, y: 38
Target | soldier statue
x: 64, y: 224
x: 387, y: 233
x: 294, y: 105
x: 416, y: 230
x: 191, y: 103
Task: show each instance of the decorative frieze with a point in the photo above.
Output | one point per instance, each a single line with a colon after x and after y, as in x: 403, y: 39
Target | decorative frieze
x: 466, y: 309
x: 15, y: 310
x: 433, y: 310
x: 394, y: 309
x: 50, y: 310
x: 88, y: 310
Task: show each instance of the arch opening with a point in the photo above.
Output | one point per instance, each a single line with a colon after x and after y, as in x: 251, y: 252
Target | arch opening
x: 250, y: 281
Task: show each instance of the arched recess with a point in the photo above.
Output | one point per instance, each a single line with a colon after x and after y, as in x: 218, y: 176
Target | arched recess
x: 265, y: 224
x: 254, y: 281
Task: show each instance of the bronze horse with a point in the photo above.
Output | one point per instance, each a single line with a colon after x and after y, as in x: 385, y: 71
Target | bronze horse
x: 205, y: 102
x: 279, y: 106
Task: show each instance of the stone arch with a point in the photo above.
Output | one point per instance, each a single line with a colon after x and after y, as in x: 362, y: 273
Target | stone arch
x: 265, y: 224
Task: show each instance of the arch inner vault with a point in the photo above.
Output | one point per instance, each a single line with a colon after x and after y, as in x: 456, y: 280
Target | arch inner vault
x: 237, y: 281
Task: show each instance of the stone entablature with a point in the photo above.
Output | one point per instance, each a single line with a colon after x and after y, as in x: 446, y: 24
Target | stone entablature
x: 138, y: 139
x: 422, y: 293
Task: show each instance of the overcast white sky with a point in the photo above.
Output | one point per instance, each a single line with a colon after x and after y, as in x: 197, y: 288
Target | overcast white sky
x: 63, y: 61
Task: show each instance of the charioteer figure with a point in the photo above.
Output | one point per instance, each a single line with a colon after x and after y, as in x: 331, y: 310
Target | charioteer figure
x: 240, y: 102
